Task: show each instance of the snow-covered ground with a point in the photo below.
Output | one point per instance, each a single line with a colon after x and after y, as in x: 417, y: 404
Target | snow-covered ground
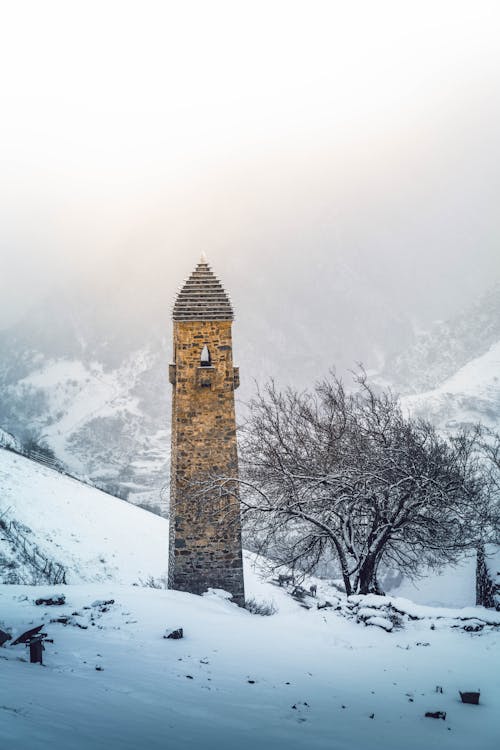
x: 451, y: 586
x: 298, y: 679
x: 301, y: 678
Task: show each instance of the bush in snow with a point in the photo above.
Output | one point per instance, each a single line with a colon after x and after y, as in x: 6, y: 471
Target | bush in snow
x: 260, y: 608
x: 155, y: 583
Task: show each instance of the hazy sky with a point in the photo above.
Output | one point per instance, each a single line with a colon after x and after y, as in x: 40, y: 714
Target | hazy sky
x: 133, y: 135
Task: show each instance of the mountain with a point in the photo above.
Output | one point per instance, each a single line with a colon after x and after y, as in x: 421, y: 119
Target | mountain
x: 446, y: 347
x: 472, y: 394
x: 88, y: 380
x: 451, y: 373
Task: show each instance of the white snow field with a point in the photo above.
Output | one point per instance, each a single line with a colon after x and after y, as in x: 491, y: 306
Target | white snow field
x: 301, y: 678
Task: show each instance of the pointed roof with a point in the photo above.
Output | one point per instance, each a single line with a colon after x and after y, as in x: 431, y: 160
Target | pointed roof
x: 202, y: 297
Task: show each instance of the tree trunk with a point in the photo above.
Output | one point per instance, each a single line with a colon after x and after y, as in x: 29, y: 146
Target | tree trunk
x: 344, y: 567
x: 485, y: 587
x: 367, y: 577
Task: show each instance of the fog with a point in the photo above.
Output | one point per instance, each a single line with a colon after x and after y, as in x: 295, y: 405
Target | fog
x: 300, y: 145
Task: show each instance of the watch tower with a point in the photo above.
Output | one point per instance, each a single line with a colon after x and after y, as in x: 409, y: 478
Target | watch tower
x: 205, y: 527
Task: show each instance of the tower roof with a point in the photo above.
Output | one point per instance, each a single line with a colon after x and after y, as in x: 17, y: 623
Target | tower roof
x: 202, y: 297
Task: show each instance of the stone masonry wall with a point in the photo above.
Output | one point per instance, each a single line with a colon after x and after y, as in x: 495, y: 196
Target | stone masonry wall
x: 205, y: 528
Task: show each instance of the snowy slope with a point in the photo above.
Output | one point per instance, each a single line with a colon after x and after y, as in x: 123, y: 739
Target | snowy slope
x: 449, y: 345
x: 472, y: 394
x: 95, y: 536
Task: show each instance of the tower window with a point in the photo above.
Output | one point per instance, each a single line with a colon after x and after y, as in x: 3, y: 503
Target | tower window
x: 205, y: 359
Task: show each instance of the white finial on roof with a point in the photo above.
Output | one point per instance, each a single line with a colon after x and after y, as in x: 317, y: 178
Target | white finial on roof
x: 203, y: 257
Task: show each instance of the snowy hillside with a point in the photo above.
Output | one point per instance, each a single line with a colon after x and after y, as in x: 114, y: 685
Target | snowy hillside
x: 94, y: 536
x: 471, y: 395
x: 447, y: 346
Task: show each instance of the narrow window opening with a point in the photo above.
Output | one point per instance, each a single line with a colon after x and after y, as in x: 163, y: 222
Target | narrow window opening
x: 205, y: 359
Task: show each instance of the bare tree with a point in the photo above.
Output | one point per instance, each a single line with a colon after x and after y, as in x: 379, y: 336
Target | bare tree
x: 350, y: 473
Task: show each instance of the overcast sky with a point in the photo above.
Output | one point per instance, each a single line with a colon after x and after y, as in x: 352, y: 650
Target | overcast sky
x: 133, y: 135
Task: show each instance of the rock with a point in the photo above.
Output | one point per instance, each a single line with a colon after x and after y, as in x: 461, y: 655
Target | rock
x: 381, y: 622
x: 436, y: 715
x: 4, y: 637
x: 52, y: 601
x: 476, y: 628
x: 174, y: 635
x: 324, y: 605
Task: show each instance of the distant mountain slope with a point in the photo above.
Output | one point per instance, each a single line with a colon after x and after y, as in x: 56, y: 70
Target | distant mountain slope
x: 97, y: 421
x: 88, y: 378
x: 94, y: 536
x: 107, y: 423
x: 449, y: 345
x: 471, y: 394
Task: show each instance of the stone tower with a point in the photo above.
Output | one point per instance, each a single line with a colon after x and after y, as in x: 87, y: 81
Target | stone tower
x: 205, y: 526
